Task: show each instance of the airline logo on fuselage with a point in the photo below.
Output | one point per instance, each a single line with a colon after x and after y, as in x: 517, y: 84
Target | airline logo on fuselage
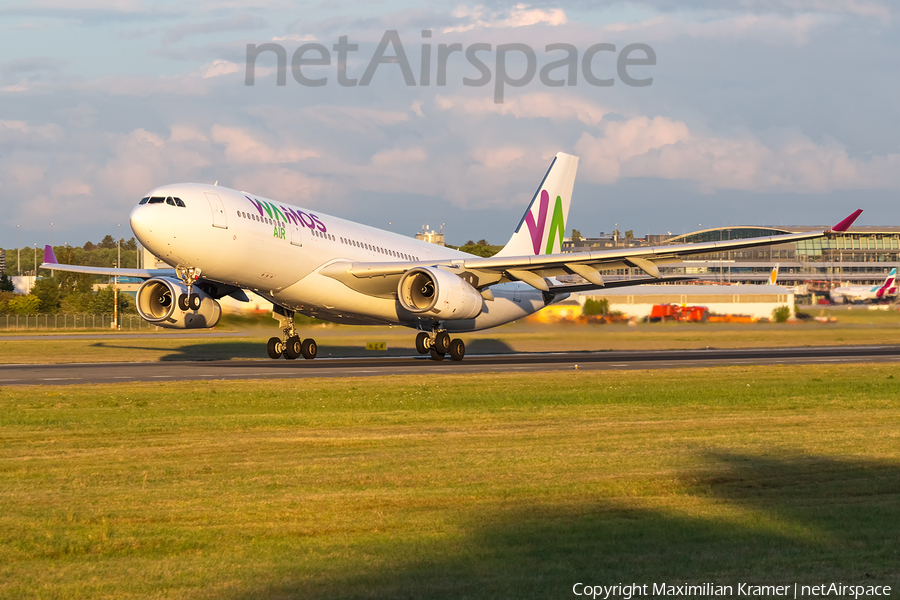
x: 286, y: 215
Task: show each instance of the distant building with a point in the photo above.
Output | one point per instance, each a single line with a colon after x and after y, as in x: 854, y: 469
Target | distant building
x: 861, y: 256
x: 757, y: 301
x: 433, y: 237
x: 2, y: 261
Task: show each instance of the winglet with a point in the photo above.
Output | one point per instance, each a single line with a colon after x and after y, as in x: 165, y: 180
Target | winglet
x: 846, y: 223
x: 49, y: 256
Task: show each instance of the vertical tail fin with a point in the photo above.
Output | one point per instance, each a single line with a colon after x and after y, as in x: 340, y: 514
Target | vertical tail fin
x: 773, y: 275
x: 889, y: 287
x: 543, y: 226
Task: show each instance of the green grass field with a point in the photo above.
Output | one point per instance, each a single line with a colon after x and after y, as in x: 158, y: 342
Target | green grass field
x: 476, y: 486
x: 246, y: 338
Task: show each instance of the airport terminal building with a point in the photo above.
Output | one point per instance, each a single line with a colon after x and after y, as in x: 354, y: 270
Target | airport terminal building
x: 861, y: 256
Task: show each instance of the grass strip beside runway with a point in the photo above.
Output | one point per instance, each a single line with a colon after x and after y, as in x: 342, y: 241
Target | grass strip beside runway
x: 853, y: 328
x: 475, y: 486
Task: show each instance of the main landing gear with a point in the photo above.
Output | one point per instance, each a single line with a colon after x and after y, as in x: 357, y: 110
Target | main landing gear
x: 289, y: 344
x: 438, y: 344
x: 188, y: 275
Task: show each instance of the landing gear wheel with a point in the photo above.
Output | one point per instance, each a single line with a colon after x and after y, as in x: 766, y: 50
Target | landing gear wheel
x: 184, y: 302
x: 442, y: 342
x: 293, y: 347
x: 194, y: 301
x: 274, y: 347
x: 457, y: 350
x: 423, y: 342
x: 435, y: 355
x: 309, y: 349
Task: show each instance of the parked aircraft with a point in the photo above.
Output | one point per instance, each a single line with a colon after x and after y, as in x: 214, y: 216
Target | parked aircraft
x: 864, y: 293
x: 222, y: 241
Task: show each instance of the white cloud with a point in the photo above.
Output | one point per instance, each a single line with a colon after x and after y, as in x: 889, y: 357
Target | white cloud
x: 243, y: 147
x: 218, y: 68
x: 519, y: 15
x: 528, y: 106
x: 294, y: 37
x: 770, y: 28
x: 666, y: 149
x: 399, y: 156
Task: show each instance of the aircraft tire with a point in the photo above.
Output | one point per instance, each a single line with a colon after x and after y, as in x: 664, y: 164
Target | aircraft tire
x: 293, y: 347
x: 273, y: 347
x: 422, y: 342
x: 184, y: 302
x: 309, y: 349
x: 194, y: 301
x: 457, y: 350
x: 442, y: 342
x: 435, y: 355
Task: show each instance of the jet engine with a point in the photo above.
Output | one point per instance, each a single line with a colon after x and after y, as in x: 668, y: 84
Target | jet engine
x: 438, y: 294
x: 157, y: 303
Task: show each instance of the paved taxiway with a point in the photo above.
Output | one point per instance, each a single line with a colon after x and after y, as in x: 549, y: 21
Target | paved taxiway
x: 63, y: 374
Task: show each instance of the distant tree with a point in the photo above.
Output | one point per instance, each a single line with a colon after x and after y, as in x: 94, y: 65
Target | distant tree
x: 5, y: 297
x: 6, y: 284
x: 629, y: 236
x: 130, y: 245
x: 103, y: 301
x: 89, y: 246
x: 46, y: 289
x: 107, y: 242
x: 480, y: 249
x: 595, y: 308
x: 576, y: 235
x: 483, y: 243
x: 781, y: 314
x: 25, y: 305
x: 469, y: 243
x: 77, y: 302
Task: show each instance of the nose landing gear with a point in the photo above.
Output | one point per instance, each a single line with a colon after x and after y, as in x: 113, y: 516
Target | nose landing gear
x: 438, y: 344
x: 289, y: 344
x: 188, y: 275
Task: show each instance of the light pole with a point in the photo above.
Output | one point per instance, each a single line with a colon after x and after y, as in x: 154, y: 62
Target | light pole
x: 35, y: 262
x: 18, y: 250
x: 52, y: 273
x: 116, y: 277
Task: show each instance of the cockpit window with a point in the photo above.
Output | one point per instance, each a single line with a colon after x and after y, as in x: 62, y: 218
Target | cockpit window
x: 179, y: 202
x: 156, y: 200
x: 143, y: 200
x: 170, y: 201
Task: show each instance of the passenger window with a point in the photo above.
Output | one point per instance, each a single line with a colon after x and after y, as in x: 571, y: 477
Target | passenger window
x: 179, y: 202
x: 144, y: 200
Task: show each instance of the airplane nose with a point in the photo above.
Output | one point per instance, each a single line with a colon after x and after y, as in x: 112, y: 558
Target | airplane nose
x: 141, y: 223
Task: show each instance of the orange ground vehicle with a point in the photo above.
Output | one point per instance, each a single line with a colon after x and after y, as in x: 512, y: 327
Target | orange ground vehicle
x: 673, y: 312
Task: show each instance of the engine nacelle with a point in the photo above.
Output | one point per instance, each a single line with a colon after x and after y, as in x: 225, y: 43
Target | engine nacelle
x: 157, y: 303
x: 435, y: 293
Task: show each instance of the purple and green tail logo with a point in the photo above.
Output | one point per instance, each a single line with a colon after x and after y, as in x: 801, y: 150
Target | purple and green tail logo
x: 557, y: 224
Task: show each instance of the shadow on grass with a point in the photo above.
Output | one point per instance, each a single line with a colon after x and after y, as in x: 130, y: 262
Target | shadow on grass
x: 770, y: 521
x: 227, y: 350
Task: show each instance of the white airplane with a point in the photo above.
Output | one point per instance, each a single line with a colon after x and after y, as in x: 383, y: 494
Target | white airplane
x: 862, y: 293
x: 222, y: 241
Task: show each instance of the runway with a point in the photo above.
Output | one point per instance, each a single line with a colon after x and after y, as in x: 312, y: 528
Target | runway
x: 93, y: 373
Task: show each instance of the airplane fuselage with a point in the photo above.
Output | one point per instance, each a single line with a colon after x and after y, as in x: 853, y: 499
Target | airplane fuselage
x: 278, y: 250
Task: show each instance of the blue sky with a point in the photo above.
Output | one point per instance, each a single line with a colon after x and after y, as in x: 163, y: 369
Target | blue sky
x: 760, y: 112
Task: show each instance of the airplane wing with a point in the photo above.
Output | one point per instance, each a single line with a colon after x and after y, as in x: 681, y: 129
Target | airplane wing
x: 537, y: 270
x: 50, y: 262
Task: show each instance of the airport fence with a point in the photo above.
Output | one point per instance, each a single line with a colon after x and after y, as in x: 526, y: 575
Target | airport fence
x: 63, y: 321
